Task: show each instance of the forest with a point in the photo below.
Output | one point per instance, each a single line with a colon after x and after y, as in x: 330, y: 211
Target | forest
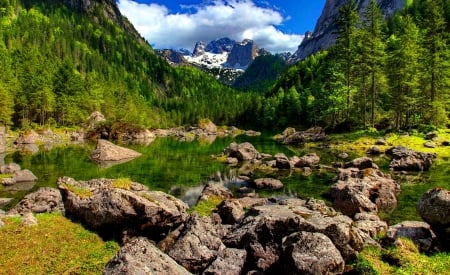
x: 59, y: 65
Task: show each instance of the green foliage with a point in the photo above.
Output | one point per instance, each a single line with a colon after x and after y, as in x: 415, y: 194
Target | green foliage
x: 205, y: 207
x: 54, y: 246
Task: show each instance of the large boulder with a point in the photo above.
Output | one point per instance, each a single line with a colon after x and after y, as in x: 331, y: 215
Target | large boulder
x: 215, y: 189
x: 361, y: 163
x: 292, y: 137
x: 10, y: 168
x: 264, y: 229
x: 24, y: 175
x: 282, y: 161
x: 369, y: 190
x: 233, y: 210
x: 311, y: 253
x: 230, y: 261
x: 434, y: 208
x: 140, y: 256
x: 107, y: 151
x: 109, y: 207
x: 370, y: 224
x: 419, y: 232
x: 268, y: 183
x: 207, y: 126
x: 199, y: 244
x: 308, y: 160
x: 405, y: 159
x: 44, y: 200
x: 242, y: 152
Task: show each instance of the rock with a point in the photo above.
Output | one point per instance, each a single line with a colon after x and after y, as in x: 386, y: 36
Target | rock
x: 199, y: 244
x: 230, y: 261
x: 28, y: 219
x: 29, y: 137
x: 107, y: 151
x: 140, y: 256
x: 251, y: 133
x: 268, y: 183
x: 142, y: 135
x: 343, y: 156
x: 446, y: 143
x: 370, y: 224
x: 44, y: 200
x: 262, y: 230
x: 374, y: 150
x: 233, y: 210
x: 405, y: 159
x: 232, y: 161
x: 309, y: 160
x: 431, y: 135
x: 24, y: 176
x: 434, y: 208
x: 381, y: 142
x: 290, y: 137
x: 208, y: 126
x: 242, y: 152
x: 368, y: 190
x: 77, y: 136
x: 110, y: 210
x: 94, y: 119
x: 311, y: 253
x: 429, y: 144
x: 282, y: 161
x: 8, y: 181
x: 419, y: 232
x: 361, y: 163
x: 10, y: 168
x: 215, y: 190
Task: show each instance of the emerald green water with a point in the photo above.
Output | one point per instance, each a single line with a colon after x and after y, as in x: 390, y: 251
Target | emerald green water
x: 181, y: 168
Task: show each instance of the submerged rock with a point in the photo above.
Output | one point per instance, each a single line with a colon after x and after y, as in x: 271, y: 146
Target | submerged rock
x: 268, y: 183
x: 140, y: 256
x: 107, y: 151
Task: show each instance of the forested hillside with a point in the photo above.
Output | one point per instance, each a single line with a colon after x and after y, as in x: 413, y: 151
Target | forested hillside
x: 59, y: 63
x: 393, y: 73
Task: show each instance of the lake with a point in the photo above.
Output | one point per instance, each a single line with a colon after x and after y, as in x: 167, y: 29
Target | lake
x: 182, y: 168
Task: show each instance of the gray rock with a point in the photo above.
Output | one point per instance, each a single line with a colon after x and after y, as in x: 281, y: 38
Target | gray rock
x: 230, y: 261
x: 140, y: 256
x: 28, y: 219
x: 242, y: 152
x: 103, y: 207
x: 381, y: 142
x: 290, y: 137
x: 343, y: 156
x: 429, y: 144
x: 107, y: 151
x: 44, y: 200
x: 29, y: 137
x: 405, y: 159
x: 10, y: 168
x: 374, y: 150
x: 5, y: 201
x: 368, y: 190
x: 419, y: 232
x: 268, y: 183
x: 24, y: 176
x: 311, y: 253
x: 232, y: 161
x: 282, y: 161
x: 431, y: 135
x: 199, y: 244
x: 233, y: 210
x: 213, y: 189
x: 308, y: 160
x: 370, y: 224
x: 361, y: 163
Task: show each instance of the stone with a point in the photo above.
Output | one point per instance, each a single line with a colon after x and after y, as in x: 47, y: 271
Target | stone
x: 230, y: 261
x: 28, y: 137
x: 311, y: 253
x: 343, y: 156
x: 268, y: 183
x: 368, y: 190
x: 213, y: 189
x: 374, y: 150
x: 232, y: 161
x: 431, y: 135
x: 111, y: 210
x: 290, y: 137
x: 140, y: 256
x: 308, y: 160
x: 361, y: 163
x: 44, y: 200
x: 5, y: 201
x: 107, y: 151
x: 28, y: 219
x: 208, y: 126
x: 10, y: 168
x: 419, y: 232
x: 199, y: 244
x: 24, y: 176
x: 429, y: 144
x: 405, y: 159
x: 233, y: 210
x: 242, y: 152
x: 381, y: 142
x: 370, y: 224
x: 282, y: 161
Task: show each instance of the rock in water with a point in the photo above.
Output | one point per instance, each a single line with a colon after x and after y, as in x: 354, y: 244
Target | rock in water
x: 107, y: 151
x: 44, y: 200
x: 140, y: 256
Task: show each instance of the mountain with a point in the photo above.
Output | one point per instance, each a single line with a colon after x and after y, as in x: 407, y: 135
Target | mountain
x: 324, y: 34
x: 64, y: 59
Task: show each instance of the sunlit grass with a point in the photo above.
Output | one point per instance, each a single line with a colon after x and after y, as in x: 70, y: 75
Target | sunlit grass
x: 206, y: 207
x: 122, y: 183
x: 403, y: 259
x: 55, y: 246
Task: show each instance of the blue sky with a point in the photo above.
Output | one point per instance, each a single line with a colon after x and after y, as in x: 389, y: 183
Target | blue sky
x: 277, y: 26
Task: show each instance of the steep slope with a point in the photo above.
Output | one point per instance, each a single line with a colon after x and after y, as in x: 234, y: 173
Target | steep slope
x: 324, y: 34
x: 62, y: 60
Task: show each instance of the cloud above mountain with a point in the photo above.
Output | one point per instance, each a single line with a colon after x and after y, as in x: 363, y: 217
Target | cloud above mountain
x: 236, y: 19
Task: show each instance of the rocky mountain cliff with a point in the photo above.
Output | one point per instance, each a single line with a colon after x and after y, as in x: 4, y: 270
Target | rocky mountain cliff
x: 324, y: 33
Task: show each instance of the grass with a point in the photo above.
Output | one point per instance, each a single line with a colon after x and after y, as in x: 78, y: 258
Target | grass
x: 83, y: 193
x: 403, y: 259
x: 122, y: 183
x: 205, y: 207
x: 55, y: 246
x: 5, y: 176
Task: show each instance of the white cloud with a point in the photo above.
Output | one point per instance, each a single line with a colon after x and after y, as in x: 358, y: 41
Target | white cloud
x: 236, y: 19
